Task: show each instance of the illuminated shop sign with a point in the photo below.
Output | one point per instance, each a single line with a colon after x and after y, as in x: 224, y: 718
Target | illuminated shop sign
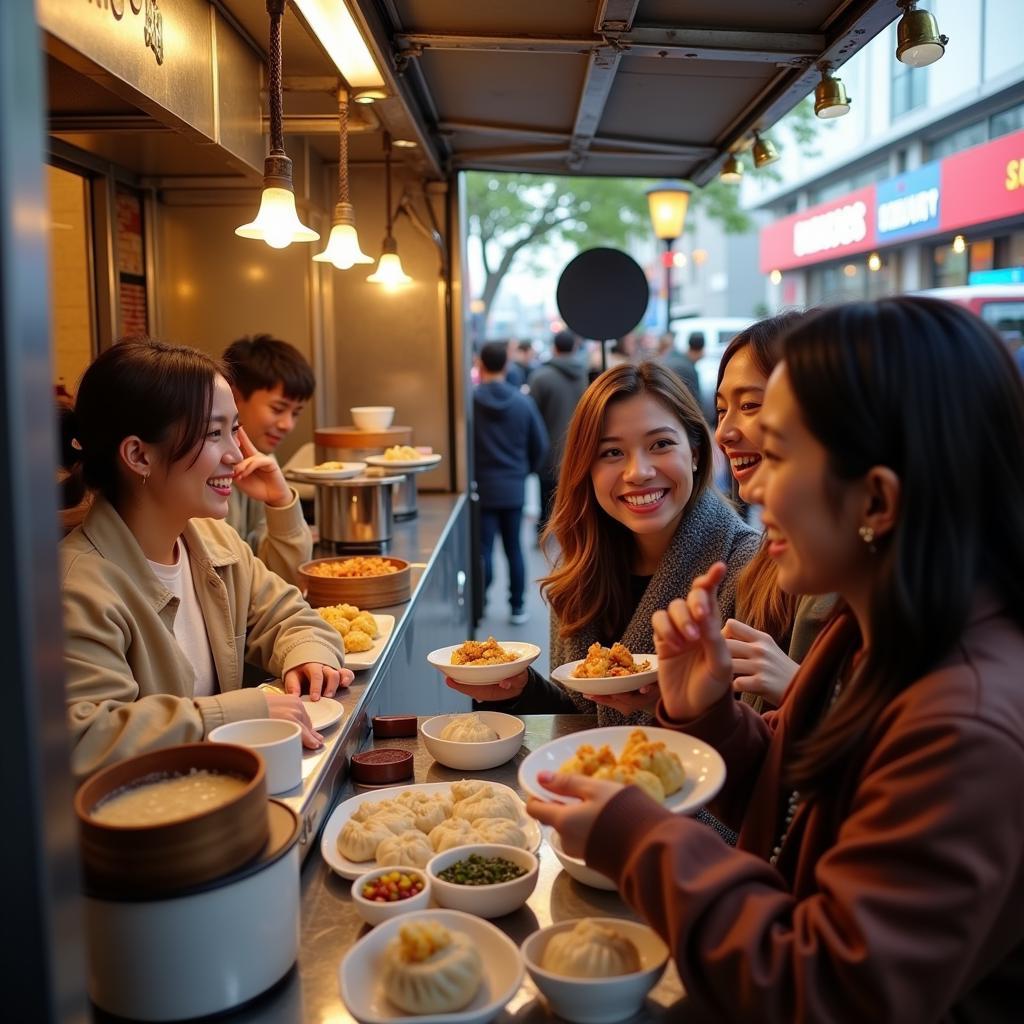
x: 909, y: 204
x: 832, y: 230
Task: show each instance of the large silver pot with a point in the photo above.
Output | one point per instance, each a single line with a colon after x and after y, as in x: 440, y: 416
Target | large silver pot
x: 357, y: 511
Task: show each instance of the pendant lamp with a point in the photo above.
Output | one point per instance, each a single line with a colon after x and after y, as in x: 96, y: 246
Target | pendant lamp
x: 343, y: 249
x: 277, y: 223
x: 389, y: 272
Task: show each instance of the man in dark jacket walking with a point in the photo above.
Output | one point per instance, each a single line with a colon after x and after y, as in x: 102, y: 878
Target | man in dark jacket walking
x: 509, y: 443
x: 557, y: 387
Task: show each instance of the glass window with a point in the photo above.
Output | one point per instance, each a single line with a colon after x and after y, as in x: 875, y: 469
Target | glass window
x: 963, y: 138
x: 852, y: 279
x: 1005, y: 317
x: 909, y: 88
x: 948, y: 267
x: 1006, y: 121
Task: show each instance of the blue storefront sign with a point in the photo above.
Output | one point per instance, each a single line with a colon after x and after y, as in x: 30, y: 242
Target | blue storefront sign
x: 1006, y: 275
x: 909, y: 204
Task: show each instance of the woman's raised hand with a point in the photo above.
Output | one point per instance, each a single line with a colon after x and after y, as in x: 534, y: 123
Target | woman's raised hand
x: 259, y: 476
x: 758, y: 664
x: 694, y: 665
x: 504, y: 689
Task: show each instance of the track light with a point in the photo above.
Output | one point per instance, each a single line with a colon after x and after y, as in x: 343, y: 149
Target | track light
x: 764, y: 151
x: 830, y: 99
x: 918, y: 42
x: 732, y: 170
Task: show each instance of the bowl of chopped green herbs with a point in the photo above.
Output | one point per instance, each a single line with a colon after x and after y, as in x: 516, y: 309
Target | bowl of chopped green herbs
x: 485, y: 879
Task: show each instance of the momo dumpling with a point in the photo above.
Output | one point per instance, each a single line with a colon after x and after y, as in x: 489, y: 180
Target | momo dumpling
x: 465, y: 788
x: 410, y: 848
x: 428, y: 969
x: 428, y: 809
x: 450, y: 833
x: 369, y: 808
x: 629, y: 775
x: 496, y: 804
x: 358, y: 840
x: 656, y: 759
x: 468, y: 729
x: 499, y: 830
x: 590, y: 950
x: 396, y: 821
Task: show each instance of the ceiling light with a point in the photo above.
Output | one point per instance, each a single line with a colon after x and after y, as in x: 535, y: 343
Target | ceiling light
x: 343, y: 245
x: 389, y: 272
x: 404, y: 143
x: 959, y: 244
x: 277, y: 223
x: 332, y: 24
x: 918, y: 42
x: 830, y: 99
x: 764, y: 151
x: 369, y: 95
x: 732, y: 170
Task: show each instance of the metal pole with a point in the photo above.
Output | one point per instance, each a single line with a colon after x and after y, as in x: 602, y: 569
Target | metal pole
x: 668, y: 283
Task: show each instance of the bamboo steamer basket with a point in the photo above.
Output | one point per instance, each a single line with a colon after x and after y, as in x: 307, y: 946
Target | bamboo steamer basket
x: 362, y: 591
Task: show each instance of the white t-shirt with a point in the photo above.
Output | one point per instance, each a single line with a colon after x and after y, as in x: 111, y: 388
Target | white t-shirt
x: 189, y: 624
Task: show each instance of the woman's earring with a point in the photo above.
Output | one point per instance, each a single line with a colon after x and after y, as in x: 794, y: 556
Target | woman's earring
x: 144, y: 479
x: 867, y: 534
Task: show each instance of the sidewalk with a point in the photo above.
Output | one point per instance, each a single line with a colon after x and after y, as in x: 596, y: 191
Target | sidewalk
x: 496, y: 611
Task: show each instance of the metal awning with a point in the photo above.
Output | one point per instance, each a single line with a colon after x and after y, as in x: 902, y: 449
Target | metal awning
x: 652, y: 88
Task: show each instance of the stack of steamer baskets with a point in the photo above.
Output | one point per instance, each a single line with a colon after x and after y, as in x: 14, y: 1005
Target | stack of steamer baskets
x: 363, y: 591
x: 350, y: 444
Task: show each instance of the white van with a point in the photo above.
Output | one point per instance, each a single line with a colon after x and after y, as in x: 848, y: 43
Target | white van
x: 718, y: 331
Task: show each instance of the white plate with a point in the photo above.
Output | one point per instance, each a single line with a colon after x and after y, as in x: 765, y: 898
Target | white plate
x: 604, y: 685
x: 483, y: 675
x: 360, y: 970
x: 347, y: 471
x: 353, y: 868
x: 365, y: 659
x: 379, y: 460
x: 323, y: 713
x: 704, y: 767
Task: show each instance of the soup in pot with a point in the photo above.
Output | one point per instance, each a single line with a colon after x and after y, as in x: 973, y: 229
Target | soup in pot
x: 159, y: 800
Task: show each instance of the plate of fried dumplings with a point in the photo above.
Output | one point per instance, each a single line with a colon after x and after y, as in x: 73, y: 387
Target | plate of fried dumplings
x: 607, y: 670
x: 679, y: 771
x: 407, y: 825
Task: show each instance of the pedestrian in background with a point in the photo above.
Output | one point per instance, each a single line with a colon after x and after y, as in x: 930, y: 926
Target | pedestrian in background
x: 509, y: 442
x: 682, y: 366
x: 556, y: 388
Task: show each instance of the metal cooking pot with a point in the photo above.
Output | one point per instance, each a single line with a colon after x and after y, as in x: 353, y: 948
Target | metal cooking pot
x: 355, y: 511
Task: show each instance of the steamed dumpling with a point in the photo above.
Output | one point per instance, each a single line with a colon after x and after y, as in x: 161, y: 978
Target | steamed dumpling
x: 358, y: 840
x: 396, y: 821
x: 468, y: 729
x: 369, y: 808
x: 590, y: 950
x: 450, y: 833
x: 465, y: 788
x: 499, y: 830
x: 428, y: 809
x: 411, y: 848
x: 428, y: 969
x: 496, y: 804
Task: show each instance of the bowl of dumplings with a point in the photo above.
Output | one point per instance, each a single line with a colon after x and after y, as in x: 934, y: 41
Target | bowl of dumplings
x: 473, y: 742
x: 595, y: 970
x: 441, y: 966
x: 486, y: 879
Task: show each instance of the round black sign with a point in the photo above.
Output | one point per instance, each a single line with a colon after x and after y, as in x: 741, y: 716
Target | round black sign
x: 602, y: 294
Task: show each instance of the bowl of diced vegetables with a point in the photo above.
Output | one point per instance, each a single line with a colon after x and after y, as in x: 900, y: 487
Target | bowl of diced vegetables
x: 486, y: 879
x: 387, y: 892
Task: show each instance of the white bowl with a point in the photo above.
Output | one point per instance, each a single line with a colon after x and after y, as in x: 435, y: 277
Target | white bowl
x: 277, y: 741
x: 577, y: 868
x: 603, y: 686
x: 484, y: 900
x: 702, y: 764
x: 474, y: 757
x: 374, y: 913
x: 483, y: 675
x: 598, y: 1000
x: 373, y: 417
x: 360, y: 970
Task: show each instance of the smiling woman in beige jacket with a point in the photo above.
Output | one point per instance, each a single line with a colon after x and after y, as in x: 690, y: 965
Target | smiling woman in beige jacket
x: 163, y: 603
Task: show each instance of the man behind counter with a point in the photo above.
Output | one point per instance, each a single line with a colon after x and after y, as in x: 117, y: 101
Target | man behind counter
x: 272, y: 382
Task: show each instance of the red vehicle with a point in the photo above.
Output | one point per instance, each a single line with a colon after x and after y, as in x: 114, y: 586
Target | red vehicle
x: 1001, y: 305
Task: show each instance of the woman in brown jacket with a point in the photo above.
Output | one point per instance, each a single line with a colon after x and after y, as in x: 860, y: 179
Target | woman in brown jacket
x: 879, y: 873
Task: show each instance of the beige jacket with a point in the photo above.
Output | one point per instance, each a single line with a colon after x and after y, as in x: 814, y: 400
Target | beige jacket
x: 279, y: 536
x: 129, y: 686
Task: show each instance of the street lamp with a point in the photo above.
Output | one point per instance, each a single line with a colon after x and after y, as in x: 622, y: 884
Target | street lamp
x: 667, y: 202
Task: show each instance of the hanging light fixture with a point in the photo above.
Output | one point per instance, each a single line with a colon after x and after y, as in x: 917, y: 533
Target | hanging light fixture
x: 764, y: 151
x: 732, y: 170
x: 277, y: 223
x: 830, y: 99
x: 389, y: 270
x: 959, y: 244
x: 918, y: 42
x: 343, y: 244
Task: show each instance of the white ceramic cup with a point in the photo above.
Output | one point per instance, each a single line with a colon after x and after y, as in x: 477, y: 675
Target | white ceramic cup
x: 278, y: 741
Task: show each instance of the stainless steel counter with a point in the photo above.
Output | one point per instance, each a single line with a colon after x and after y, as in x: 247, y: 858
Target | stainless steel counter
x: 330, y: 924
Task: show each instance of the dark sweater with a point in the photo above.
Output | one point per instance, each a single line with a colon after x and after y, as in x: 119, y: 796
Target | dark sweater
x: 509, y: 443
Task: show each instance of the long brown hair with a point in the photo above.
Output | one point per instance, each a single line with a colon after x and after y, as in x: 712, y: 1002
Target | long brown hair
x: 928, y: 390
x: 590, y: 582
x: 760, y: 602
